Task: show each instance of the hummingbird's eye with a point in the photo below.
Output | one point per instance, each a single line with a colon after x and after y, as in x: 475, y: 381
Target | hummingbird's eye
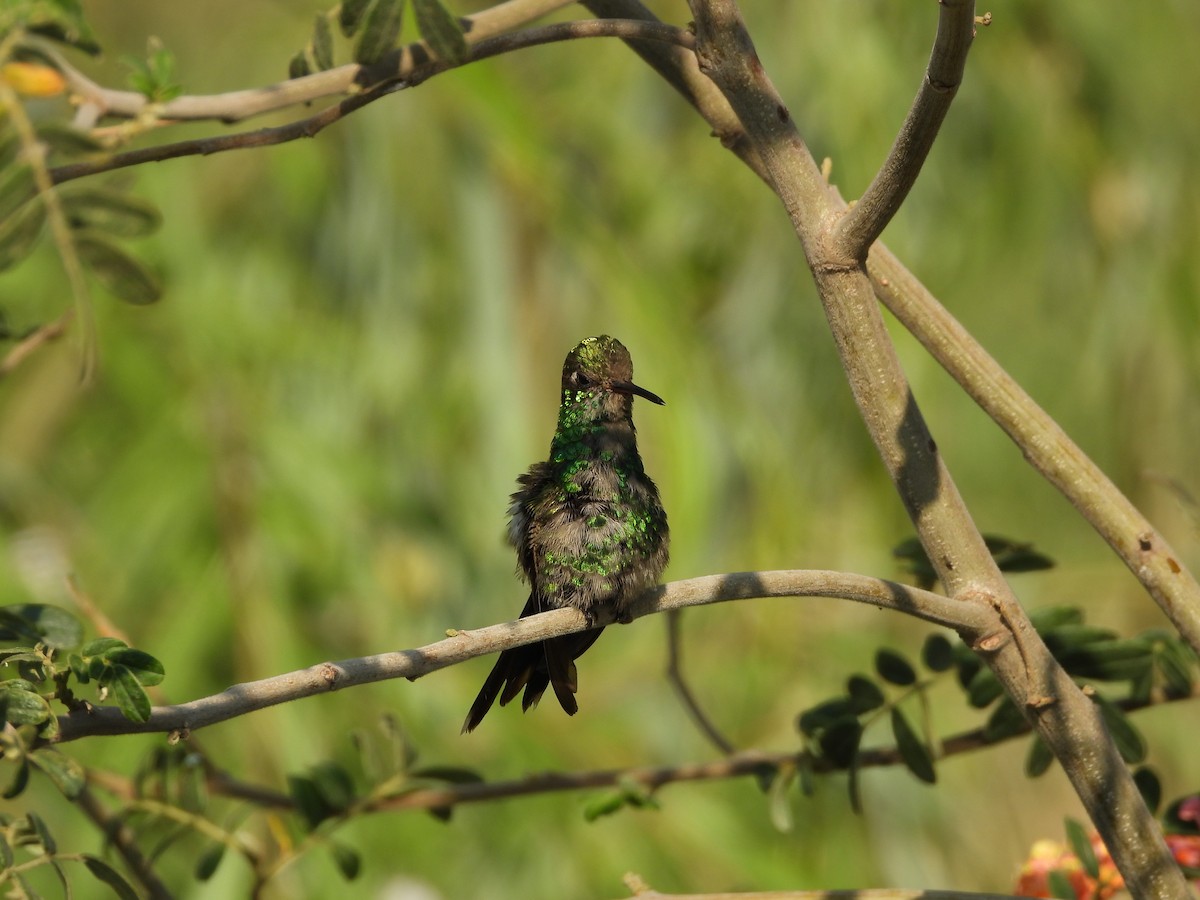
x: 579, y: 379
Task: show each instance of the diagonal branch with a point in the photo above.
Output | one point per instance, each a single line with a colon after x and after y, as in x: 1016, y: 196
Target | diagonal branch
x: 1066, y: 720
x: 972, y: 622
x: 866, y: 220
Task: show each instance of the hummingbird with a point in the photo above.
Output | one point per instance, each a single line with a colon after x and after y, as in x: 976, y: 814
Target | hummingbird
x: 587, y: 525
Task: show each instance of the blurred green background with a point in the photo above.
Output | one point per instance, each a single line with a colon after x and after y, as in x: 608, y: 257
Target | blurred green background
x: 304, y: 452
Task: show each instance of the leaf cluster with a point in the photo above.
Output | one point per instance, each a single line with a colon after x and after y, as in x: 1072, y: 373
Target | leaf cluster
x: 97, y: 219
x: 29, y: 835
x: 33, y: 639
x: 374, y: 27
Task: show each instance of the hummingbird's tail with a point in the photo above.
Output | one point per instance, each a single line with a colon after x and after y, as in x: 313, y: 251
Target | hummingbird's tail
x: 533, y: 667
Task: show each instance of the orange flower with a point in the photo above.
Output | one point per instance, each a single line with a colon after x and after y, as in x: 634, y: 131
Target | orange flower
x: 1049, y: 856
x: 33, y: 79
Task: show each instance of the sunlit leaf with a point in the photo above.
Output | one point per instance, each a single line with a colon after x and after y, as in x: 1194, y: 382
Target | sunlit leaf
x: 22, y: 704
x: 101, y: 645
x: 148, y: 670
x: 127, y: 692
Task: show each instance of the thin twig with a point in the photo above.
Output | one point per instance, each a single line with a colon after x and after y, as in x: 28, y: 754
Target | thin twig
x: 865, y: 221
x: 237, y: 105
x: 407, y: 73
x: 124, y: 840
x: 675, y: 676
x: 37, y: 338
x: 969, y: 620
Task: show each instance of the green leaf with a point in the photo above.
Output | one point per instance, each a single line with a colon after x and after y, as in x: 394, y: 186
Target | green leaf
x: 19, y: 781
x: 824, y: 714
x: 23, y: 705
x: 381, y: 29
x: 298, y: 65
x: 311, y: 805
x: 16, y: 187
x: 350, y: 15
x: 334, y: 785
x: 101, y: 645
x: 112, y: 212
x: 1128, y: 739
x: 1107, y: 660
x: 865, y: 694
x: 450, y: 774
x: 19, y: 234
x: 1050, y: 617
x: 1005, y: 721
x: 131, y: 698
x: 210, y: 859
x: 912, y: 750
x: 1149, y: 787
x: 1081, y: 845
x: 894, y: 668
x: 110, y: 876
x: 348, y: 861
x: 1039, y: 758
x: 983, y: 689
x: 67, y: 774
x: 322, y: 42
x: 604, y: 805
x: 441, y: 30
x: 63, y: 21
x: 1060, y: 885
x: 1014, y: 556
x: 119, y: 272
x: 148, y: 670
x: 52, y: 625
x: 38, y: 827
x: 840, y: 741
x: 937, y: 653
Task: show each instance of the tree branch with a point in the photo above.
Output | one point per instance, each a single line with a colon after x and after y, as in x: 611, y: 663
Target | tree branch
x: 1042, y: 442
x: 410, y: 70
x: 866, y: 220
x: 181, y: 719
x: 1066, y: 720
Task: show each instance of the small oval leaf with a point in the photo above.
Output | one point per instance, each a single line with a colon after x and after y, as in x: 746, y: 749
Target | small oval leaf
x: 147, y: 669
x: 110, y: 876
x: 912, y: 750
x: 129, y: 695
x: 111, y: 212
x: 350, y: 15
x: 1129, y: 741
x: 1039, y: 758
x: 67, y: 774
x: 937, y: 653
x: 1149, y: 787
x: 322, y: 42
x: 865, y: 694
x: 1081, y: 845
x: 348, y: 861
x: 894, y: 668
x: 380, y: 31
x: 119, y: 272
x: 210, y: 859
x: 441, y: 31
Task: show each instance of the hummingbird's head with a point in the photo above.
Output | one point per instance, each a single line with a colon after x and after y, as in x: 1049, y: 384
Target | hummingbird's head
x: 598, y: 377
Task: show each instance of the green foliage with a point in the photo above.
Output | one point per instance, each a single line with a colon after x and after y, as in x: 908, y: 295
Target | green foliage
x: 1010, y: 556
x: 440, y: 30
x: 154, y: 76
x: 57, y: 20
x: 380, y: 31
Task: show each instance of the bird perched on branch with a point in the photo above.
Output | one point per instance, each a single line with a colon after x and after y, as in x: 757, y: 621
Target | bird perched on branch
x: 587, y: 524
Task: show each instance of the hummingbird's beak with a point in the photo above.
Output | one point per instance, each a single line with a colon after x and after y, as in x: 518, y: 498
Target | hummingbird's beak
x: 628, y: 387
